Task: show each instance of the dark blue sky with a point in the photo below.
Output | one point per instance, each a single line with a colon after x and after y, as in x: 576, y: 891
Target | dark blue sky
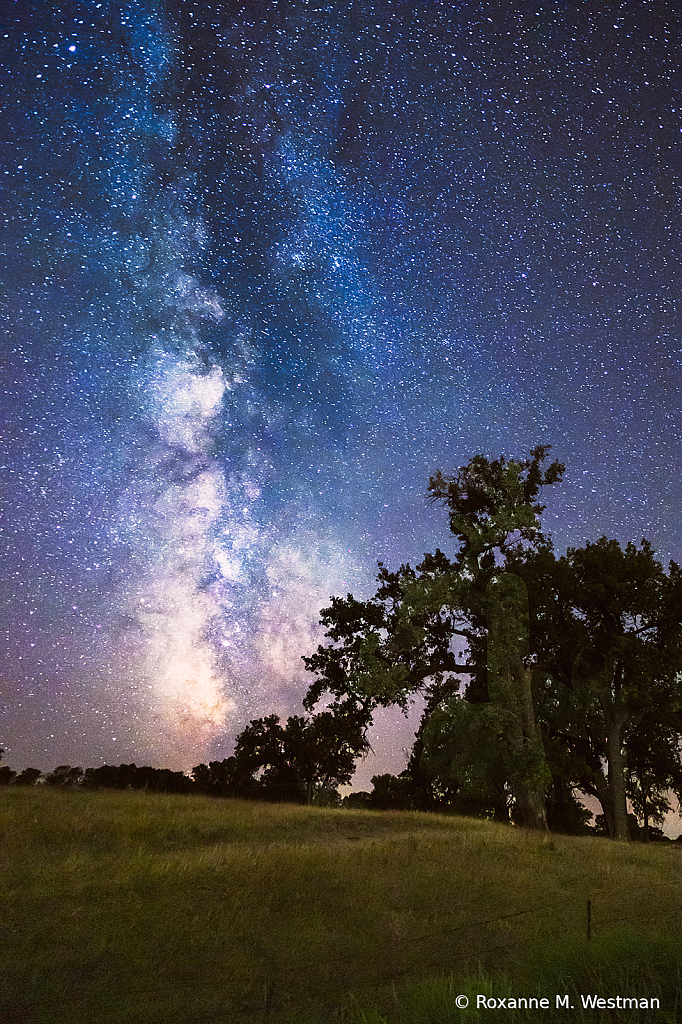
x: 267, y: 266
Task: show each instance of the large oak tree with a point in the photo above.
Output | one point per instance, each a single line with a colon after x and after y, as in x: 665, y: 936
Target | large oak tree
x: 405, y: 639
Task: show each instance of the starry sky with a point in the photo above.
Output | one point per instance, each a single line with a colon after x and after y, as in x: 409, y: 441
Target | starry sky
x: 266, y: 266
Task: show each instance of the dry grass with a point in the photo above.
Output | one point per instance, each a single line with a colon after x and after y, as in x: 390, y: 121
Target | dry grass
x: 124, y: 908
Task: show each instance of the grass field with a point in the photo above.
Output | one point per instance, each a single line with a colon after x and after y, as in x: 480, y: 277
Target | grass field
x: 129, y: 908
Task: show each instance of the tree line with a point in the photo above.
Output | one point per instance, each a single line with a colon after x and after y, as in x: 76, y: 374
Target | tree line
x: 543, y: 678
x: 302, y: 761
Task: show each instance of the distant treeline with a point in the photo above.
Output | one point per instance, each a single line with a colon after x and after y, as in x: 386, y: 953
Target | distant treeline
x: 389, y: 792
x: 218, y: 778
x: 214, y: 779
x: 122, y: 776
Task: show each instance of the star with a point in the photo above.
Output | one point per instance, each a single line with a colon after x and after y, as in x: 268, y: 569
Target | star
x: 266, y: 273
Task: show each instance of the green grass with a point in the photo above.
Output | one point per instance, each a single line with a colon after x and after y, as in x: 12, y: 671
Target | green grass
x: 129, y: 908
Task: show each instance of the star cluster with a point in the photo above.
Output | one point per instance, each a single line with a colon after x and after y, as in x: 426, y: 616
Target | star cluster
x: 266, y: 267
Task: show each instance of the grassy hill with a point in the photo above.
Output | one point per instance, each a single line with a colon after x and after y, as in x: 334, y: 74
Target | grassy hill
x: 129, y: 908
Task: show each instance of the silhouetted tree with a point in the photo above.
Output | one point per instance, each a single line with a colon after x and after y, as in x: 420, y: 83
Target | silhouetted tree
x: 494, y: 510
x: 303, y: 761
x: 107, y: 776
x: 29, y: 777
x: 130, y: 776
x: 213, y: 779
x: 394, y: 793
x: 401, y: 641
x: 607, y: 642
x: 465, y: 752
x: 357, y: 801
x: 654, y: 771
x: 64, y: 776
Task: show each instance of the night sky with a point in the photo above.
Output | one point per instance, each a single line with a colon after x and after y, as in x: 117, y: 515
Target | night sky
x: 266, y: 266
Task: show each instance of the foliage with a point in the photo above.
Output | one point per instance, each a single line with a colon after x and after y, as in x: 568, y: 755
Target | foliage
x: 64, y: 775
x: 383, y: 650
x: 130, y: 776
x: 213, y: 779
x: 607, y: 642
x: 479, y: 783
x: 393, y: 793
x: 493, y: 505
x: 571, y: 667
x: 303, y: 761
x: 29, y: 777
x: 403, y: 641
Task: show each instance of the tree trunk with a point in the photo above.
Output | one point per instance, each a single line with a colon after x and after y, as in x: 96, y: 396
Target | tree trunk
x: 530, y: 793
x: 614, y: 751
x: 605, y: 798
x: 509, y: 684
x: 645, y: 787
x: 536, y: 809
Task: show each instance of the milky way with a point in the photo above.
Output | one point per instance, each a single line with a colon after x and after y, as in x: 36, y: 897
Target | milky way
x: 266, y: 268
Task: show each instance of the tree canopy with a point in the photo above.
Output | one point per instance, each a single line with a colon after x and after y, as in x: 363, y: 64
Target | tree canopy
x: 608, y: 649
x: 541, y: 676
x: 303, y: 761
